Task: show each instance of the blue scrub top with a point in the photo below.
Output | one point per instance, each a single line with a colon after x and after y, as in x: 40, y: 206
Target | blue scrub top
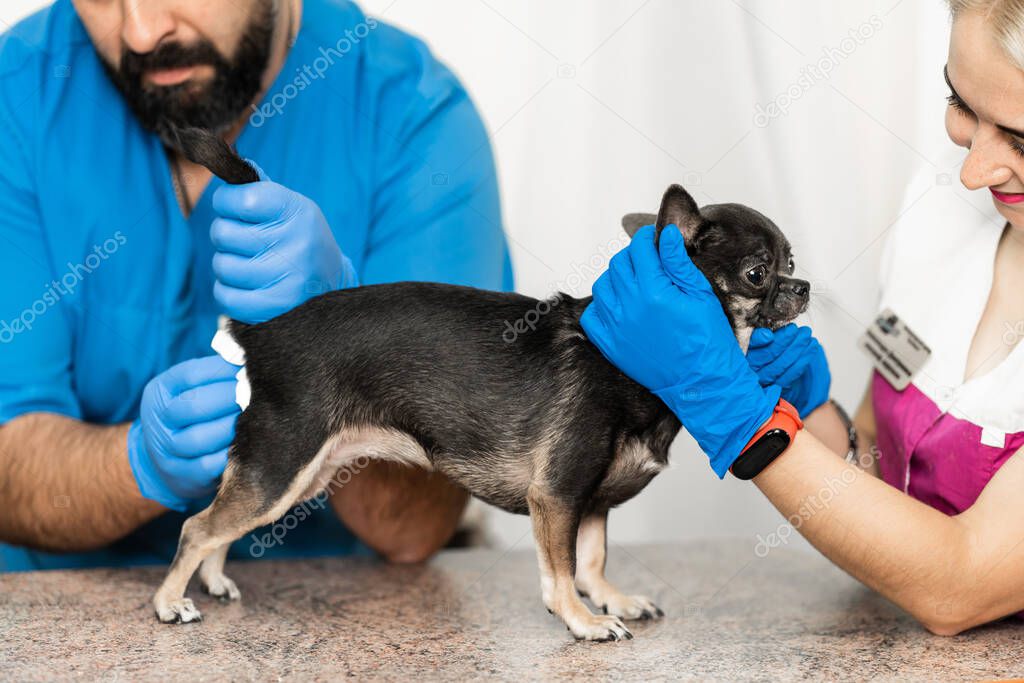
x: 106, y: 284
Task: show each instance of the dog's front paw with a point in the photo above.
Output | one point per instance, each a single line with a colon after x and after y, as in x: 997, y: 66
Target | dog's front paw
x: 599, y: 627
x: 631, y: 607
x: 223, y: 588
x: 177, y: 612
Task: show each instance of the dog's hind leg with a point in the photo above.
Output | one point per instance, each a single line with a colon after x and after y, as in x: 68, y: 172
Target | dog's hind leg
x: 555, y: 523
x: 591, y: 553
x: 206, y: 536
x: 268, y: 470
x: 211, y: 573
x: 196, y: 542
x: 240, y: 507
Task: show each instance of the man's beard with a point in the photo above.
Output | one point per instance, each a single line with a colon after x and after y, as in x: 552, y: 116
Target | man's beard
x: 215, y: 105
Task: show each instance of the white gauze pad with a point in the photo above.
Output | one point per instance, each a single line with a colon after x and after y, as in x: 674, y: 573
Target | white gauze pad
x: 228, y: 349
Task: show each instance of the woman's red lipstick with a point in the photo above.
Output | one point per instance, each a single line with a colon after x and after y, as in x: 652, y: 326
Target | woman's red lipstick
x: 1008, y: 197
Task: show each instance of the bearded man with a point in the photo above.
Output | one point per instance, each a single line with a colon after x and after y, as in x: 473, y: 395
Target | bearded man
x: 119, y: 255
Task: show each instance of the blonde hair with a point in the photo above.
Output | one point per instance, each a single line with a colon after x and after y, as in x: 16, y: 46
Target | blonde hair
x: 1006, y: 18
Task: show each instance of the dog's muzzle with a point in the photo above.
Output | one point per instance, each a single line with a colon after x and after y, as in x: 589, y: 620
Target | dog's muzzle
x: 789, y: 300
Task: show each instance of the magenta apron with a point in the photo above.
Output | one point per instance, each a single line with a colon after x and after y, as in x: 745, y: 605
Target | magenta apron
x: 943, y: 438
x: 938, y: 459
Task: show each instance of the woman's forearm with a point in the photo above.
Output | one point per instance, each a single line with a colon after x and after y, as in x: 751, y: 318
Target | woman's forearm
x: 66, y: 485
x: 831, y: 430
x: 930, y: 564
x: 824, y: 422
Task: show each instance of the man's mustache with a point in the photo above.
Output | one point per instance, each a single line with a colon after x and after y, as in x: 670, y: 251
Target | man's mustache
x: 170, y: 56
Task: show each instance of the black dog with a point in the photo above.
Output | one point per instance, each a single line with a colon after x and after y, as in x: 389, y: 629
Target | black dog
x: 421, y: 374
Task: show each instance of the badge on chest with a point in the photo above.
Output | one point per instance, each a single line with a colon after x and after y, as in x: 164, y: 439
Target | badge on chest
x: 897, y: 353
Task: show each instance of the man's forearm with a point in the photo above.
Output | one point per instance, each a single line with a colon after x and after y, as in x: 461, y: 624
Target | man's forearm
x: 930, y: 564
x: 404, y: 513
x: 66, y: 485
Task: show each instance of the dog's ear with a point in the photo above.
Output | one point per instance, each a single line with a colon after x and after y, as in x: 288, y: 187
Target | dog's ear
x: 632, y: 222
x: 679, y: 209
x: 202, y: 147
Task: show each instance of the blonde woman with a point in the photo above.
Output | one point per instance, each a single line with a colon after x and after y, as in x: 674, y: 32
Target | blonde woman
x: 934, y: 520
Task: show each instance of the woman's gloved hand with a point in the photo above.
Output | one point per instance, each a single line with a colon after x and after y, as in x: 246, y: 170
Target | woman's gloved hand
x: 657, y: 319
x: 794, y: 360
x: 178, y: 447
x: 274, y: 251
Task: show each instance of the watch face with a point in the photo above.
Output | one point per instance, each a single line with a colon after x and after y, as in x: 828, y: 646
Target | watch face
x: 760, y: 454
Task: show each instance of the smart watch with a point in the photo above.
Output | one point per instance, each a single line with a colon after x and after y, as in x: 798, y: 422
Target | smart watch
x: 769, y: 442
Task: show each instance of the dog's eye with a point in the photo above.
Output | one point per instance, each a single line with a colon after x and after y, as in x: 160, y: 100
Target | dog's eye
x: 756, y: 275
x: 792, y: 265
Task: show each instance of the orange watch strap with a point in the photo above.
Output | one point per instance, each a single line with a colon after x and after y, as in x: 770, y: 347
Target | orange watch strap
x: 784, y: 417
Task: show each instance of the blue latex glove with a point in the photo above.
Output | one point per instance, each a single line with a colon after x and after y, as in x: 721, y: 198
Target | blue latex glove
x: 794, y: 360
x: 274, y: 251
x: 659, y: 321
x: 178, y: 447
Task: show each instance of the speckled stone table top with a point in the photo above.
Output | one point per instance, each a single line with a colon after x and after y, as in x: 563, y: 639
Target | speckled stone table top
x: 730, y: 616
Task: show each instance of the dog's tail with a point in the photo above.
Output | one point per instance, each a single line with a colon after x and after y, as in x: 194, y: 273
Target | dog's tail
x: 202, y: 147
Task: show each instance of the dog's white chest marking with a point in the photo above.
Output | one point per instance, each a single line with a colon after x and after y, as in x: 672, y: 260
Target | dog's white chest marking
x: 228, y: 349
x: 743, y: 337
x: 635, y: 458
x: 632, y: 469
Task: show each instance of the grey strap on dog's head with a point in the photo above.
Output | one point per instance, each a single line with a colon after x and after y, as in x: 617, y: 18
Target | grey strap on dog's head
x: 632, y: 222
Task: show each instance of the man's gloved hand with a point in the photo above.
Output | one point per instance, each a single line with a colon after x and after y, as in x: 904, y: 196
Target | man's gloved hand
x: 659, y: 321
x: 178, y: 447
x: 274, y: 251
x: 794, y: 360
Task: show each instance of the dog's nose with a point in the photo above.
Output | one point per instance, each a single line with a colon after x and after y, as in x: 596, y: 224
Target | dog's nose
x: 798, y: 288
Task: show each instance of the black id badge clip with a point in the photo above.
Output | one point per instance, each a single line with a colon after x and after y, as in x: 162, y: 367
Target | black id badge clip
x: 895, y: 350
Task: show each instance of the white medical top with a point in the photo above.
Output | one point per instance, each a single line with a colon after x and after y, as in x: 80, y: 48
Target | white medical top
x: 936, y: 275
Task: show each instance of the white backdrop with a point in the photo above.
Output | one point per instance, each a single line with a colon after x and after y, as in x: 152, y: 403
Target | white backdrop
x: 813, y: 112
